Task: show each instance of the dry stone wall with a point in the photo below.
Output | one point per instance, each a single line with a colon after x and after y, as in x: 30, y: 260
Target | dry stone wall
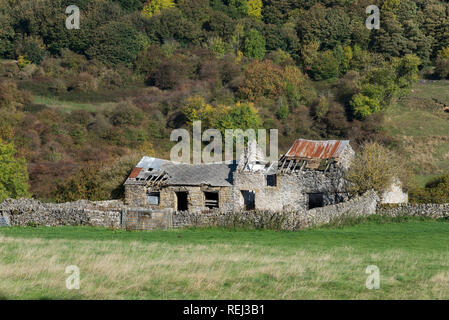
x: 420, y: 210
x: 26, y: 212
x: 23, y: 212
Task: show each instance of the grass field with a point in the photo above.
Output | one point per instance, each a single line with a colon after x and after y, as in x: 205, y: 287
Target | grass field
x: 421, y: 128
x: 70, y: 105
x: 326, y: 263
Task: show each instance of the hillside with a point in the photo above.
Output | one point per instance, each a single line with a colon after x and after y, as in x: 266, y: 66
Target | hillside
x: 80, y: 106
x: 420, y: 127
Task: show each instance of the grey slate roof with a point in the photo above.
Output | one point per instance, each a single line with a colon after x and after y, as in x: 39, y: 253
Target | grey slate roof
x: 214, y: 174
x: 219, y: 175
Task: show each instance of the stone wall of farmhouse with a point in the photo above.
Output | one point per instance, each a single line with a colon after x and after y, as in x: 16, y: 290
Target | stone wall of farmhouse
x: 136, y: 195
x: 287, y: 220
x: 291, y: 190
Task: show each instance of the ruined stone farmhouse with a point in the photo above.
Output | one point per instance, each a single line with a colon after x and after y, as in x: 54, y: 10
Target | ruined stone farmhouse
x: 311, y: 174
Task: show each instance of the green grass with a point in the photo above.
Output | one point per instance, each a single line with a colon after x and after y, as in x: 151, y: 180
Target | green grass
x: 325, y: 263
x: 421, y: 128
x: 70, y: 105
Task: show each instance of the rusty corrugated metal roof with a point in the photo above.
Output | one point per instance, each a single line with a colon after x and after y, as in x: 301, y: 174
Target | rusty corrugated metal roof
x: 311, y: 149
x: 135, y: 173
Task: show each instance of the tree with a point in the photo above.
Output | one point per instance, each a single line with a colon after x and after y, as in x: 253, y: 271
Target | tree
x: 13, y: 173
x: 325, y: 66
x: 442, y: 63
x: 255, y: 8
x: 262, y: 79
x: 6, y: 36
x: 32, y: 48
x: 115, y: 43
x: 375, y: 167
x: 154, y: 7
x: 362, y: 106
x: 254, y: 45
x: 86, y: 184
x: 407, y: 70
x: 239, y: 116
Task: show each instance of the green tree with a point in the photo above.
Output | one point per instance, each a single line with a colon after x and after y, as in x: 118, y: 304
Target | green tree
x: 325, y: 66
x: 241, y: 116
x: 6, y: 36
x: 13, y: 173
x: 255, y: 8
x: 254, y: 45
x: 117, y: 42
x: 362, y: 106
x: 407, y: 70
x: 154, y: 7
x: 442, y: 63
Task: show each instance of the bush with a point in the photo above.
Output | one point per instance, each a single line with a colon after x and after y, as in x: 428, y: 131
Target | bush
x: 115, y: 43
x: 126, y: 114
x: 83, y: 185
x: 13, y: 173
x: 375, y: 167
x: 435, y: 191
x: 254, y: 45
x: 171, y: 72
x: 262, y: 79
x: 442, y: 63
x: 31, y: 47
x: 325, y: 66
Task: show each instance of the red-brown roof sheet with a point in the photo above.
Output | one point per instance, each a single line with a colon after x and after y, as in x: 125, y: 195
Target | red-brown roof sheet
x: 311, y: 149
x: 135, y: 173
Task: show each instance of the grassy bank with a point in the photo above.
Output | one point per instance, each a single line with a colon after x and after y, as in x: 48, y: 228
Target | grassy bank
x: 421, y: 129
x: 326, y: 263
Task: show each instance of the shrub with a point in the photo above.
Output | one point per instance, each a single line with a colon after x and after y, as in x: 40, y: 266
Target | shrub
x: 83, y: 185
x: 72, y: 60
x: 283, y: 112
x: 442, y: 63
x: 84, y: 82
x: 375, y: 167
x: 13, y: 173
x: 254, y: 45
x: 11, y: 98
x: 262, y: 79
x: 31, y: 47
x: 126, y: 114
x: 115, y: 43
x: 435, y: 191
x: 154, y: 7
x: 172, y: 72
x: 325, y: 66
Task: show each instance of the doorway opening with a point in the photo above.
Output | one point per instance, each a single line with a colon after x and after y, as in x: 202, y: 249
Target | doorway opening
x: 249, y: 199
x: 182, y: 203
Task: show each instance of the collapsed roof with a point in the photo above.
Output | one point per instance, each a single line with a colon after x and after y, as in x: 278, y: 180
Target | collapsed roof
x: 156, y: 171
x: 304, y: 154
x: 312, y: 154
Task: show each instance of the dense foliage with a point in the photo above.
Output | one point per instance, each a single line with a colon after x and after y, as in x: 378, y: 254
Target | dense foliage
x: 141, y: 68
